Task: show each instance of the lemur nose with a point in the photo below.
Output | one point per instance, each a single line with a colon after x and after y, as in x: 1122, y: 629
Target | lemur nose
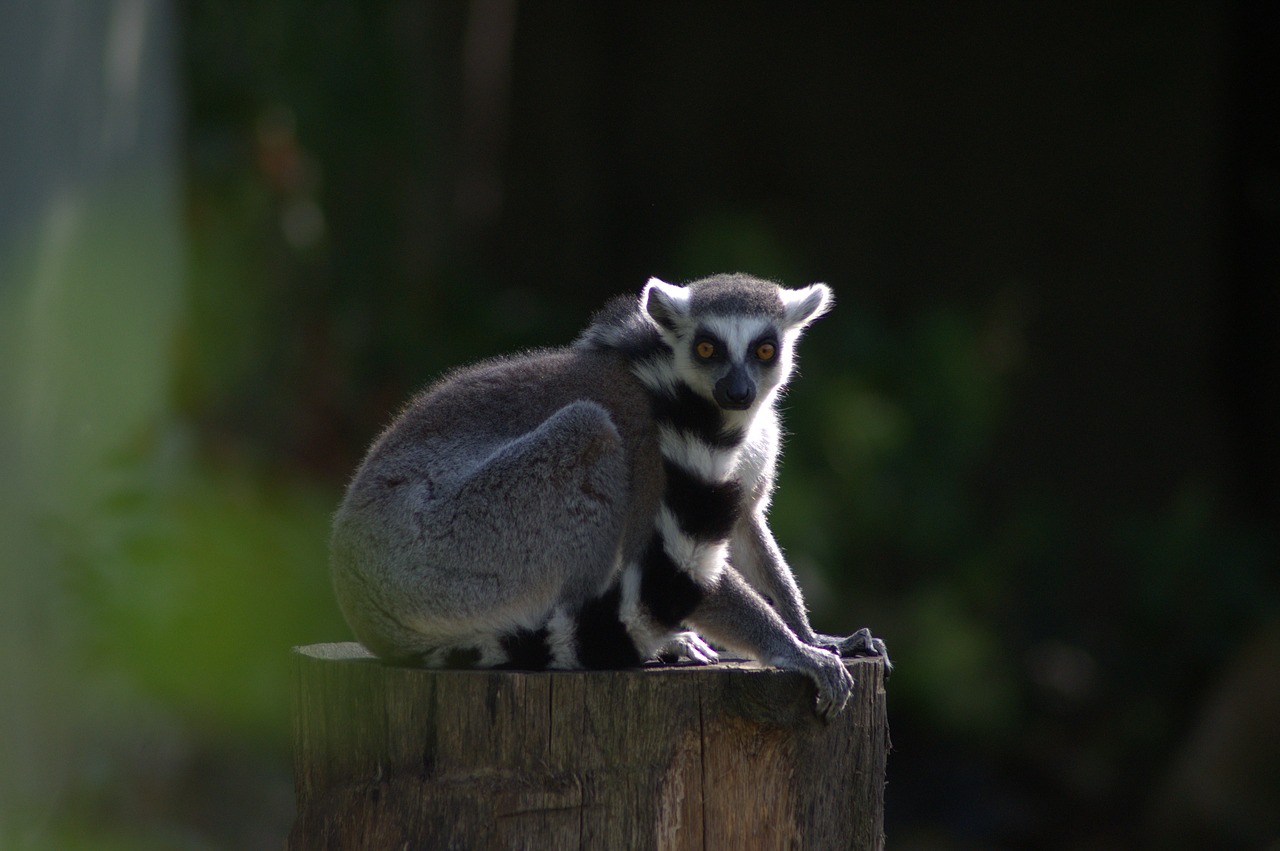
x: 735, y: 391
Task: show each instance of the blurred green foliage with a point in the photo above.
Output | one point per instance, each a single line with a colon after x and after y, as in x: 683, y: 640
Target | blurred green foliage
x: 193, y: 580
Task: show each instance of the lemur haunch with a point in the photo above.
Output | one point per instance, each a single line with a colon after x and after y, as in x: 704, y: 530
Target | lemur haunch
x: 594, y: 506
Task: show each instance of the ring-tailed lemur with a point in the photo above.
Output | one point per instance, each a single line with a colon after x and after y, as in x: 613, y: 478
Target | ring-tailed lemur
x: 594, y: 506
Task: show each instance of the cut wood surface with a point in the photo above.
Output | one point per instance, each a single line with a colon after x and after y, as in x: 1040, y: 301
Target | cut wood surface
x: 680, y: 757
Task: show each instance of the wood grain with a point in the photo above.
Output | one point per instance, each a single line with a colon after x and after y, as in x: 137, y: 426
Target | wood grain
x: 723, y: 756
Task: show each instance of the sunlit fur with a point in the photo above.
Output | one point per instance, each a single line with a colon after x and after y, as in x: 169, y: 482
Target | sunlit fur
x: 596, y: 505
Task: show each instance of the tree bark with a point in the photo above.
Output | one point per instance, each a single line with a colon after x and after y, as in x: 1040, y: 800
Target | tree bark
x: 724, y: 756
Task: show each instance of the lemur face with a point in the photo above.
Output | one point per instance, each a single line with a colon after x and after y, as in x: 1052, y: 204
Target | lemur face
x: 733, y: 360
x: 731, y: 346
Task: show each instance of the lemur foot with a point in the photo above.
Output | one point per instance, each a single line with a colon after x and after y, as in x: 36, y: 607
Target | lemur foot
x: 688, y: 646
x: 861, y: 643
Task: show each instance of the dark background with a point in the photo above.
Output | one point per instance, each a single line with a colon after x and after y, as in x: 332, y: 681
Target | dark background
x: 1032, y: 446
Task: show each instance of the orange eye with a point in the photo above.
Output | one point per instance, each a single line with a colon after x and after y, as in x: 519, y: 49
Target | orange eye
x: 705, y: 349
x: 766, y: 351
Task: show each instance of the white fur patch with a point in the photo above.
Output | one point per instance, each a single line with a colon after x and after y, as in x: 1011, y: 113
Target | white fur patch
x: 703, y: 560
x: 560, y: 641
x: 657, y: 375
x: 709, y: 462
x: 759, y: 457
x: 648, y: 636
x: 682, y: 549
x: 710, y: 563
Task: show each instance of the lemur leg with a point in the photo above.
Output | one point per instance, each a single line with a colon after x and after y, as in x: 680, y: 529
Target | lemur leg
x: 733, y: 614
x: 494, y: 543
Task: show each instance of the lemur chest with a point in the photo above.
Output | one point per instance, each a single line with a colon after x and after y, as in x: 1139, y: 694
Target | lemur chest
x: 741, y: 454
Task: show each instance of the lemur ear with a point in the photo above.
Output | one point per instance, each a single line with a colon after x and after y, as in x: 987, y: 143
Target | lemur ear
x: 665, y: 303
x: 802, y: 306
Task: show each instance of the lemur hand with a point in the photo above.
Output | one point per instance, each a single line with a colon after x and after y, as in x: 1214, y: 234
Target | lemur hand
x: 828, y: 673
x: 688, y: 646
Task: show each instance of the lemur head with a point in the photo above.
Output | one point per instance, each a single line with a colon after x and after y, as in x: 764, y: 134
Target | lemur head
x: 733, y: 335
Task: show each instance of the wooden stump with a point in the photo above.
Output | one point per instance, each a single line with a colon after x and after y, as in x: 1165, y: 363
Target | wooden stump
x: 727, y: 756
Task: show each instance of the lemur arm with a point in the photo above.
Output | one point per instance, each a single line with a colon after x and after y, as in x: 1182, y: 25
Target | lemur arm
x: 752, y: 549
x: 756, y: 555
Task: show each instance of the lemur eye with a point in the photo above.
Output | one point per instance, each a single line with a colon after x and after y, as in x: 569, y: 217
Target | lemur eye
x: 705, y: 349
x: 766, y: 351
